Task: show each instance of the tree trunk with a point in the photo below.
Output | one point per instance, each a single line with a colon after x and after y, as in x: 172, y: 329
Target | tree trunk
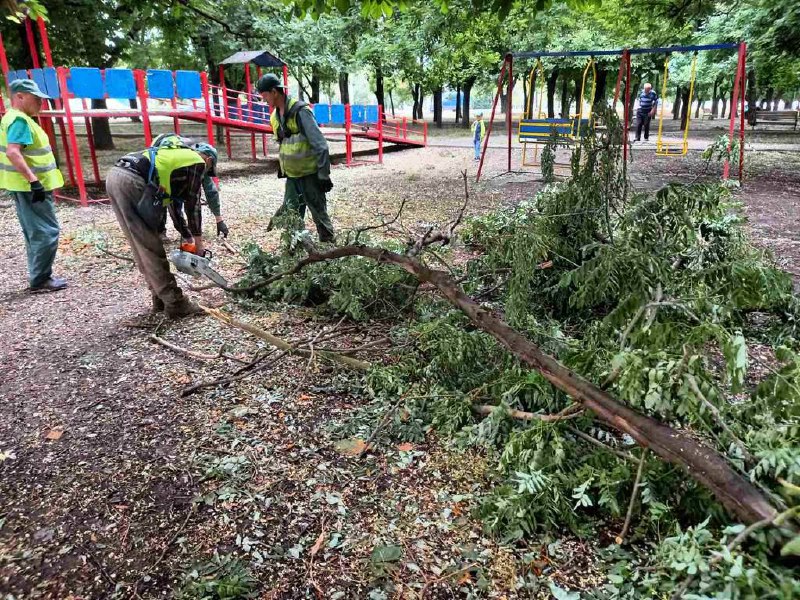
x: 551, y: 93
x: 750, y: 94
x: 724, y: 107
x: 379, y: 93
x: 437, y: 107
x: 697, y: 110
x: 579, y: 93
x: 600, y: 90
x: 676, y: 107
x: 458, y: 103
x: 503, y: 101
x: 634, y: 94
x: 135, y: 106
x: 421, y: 102
x: 465, y: 102
x: 565, y: 99
x: 415, y: 97
x: 300, y: 90
x: 391, y: 102
x: 314, y: 86
x: 101, y: 129
x: 685, y: 108
x: 740, y: 497
x: 767, y: 105
x: 715, y: 100
x: 344, y: 87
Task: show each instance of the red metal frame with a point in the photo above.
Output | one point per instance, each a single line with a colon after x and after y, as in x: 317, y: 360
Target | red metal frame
x: 737, y: 103
x: 491, y: 118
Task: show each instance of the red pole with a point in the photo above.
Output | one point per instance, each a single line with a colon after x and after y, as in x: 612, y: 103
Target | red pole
x: 509, y: 117
x: 380, y: 134
x: 626, y: 109
x: 148, y: 135
x: 737, y: 83
x: 48, y: 55
x: 743, y: 79
x: 224, y: 91
x: 286, y: 76
x: 491, y: 120
x: 619, y: 77
x: 73, y: 139
x: 32, y: 44
x: 206, y: 99
x: 348, y: 141
x: 248, y: 89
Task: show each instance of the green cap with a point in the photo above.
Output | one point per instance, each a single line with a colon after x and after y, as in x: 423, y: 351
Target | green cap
x: 27, y: 86
x: 269, y: 82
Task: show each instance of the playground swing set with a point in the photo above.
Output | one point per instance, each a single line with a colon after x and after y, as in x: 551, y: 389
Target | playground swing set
x: 162, y: 94
x: 538, y: 130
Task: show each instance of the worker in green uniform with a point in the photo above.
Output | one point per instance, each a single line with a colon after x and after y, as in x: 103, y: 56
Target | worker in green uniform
x: 304, y: 158
x: 28, y: 171
x: 141, y: 185
x: 210, y: 188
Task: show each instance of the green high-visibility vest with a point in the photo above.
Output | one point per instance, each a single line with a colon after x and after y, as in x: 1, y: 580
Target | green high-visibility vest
x: 168, y: 159
x: 38, y: 155
x: 296, y: 157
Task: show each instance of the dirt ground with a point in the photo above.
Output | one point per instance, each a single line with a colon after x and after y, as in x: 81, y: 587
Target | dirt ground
x: 114, y: 485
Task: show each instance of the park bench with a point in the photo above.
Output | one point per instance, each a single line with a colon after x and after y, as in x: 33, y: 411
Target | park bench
x: 786, y: 118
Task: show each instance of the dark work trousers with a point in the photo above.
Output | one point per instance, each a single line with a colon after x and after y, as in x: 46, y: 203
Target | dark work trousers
x: 306, y: 192
x: 643, y: 119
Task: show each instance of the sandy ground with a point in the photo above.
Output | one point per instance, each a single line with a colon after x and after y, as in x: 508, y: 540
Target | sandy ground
x: 114, y: 485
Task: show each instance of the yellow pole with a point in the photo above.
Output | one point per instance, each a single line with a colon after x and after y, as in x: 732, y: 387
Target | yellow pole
x: 661, y: 112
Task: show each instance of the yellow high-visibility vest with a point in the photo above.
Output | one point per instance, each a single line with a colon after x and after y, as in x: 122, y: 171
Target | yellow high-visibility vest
x: 38, y: 155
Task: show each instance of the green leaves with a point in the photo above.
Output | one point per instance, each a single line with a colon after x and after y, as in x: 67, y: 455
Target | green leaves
x: 385, y: 554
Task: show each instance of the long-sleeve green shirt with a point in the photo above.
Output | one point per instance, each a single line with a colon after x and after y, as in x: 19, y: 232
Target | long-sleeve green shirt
x: 212, y: 195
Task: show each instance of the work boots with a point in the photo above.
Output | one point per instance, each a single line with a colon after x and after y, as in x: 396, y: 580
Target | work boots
x: 158, y: 305
x: 183, y: 308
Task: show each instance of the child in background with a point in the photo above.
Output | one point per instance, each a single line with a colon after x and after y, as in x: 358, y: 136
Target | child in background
x: 478, y: 132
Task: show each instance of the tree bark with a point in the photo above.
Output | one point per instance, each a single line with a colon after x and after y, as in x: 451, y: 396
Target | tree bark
x: 391, y: 102
x: 579, y: 93
x: 379, y: 93
x: 685, y: 108
x: 750, y: 93
x: 697, y: 110
x: 344, y: 87
x: 724, y: 106
x: 437, y: 107
x: 715, y: 100
x: 101, y: 129
x: 565, y: 99
x: 458, y: 104
x: 706, y: 466
x: 132, y: 102
x: 676, y: 107
x: 315, y: 83
x: 465, y: 101
x: 768, y: 98
x: 551, y: 93
x: 600, y: 90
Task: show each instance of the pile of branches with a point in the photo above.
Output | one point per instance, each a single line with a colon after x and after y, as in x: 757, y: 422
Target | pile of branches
x: 601, y: 345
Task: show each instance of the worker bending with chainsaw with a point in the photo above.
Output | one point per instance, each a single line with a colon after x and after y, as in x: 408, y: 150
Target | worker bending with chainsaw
x: 304, y: 159
x: 28, y: 171
x: 210, y: 188
x: 141, y: 186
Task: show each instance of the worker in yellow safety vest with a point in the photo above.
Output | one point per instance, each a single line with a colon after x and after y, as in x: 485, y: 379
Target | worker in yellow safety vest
x: 29, y: 172
x: 141, y: 186
x: 304, y: 159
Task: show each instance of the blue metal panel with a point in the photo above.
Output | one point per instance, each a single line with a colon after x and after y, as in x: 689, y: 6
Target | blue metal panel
x: 233, y: 112
x: 14, y: 75
x: 86, y: 82
x: 51, y: 82
x: 188, y: 85
x: 120, y: 83
x: 372, y: 113
x: 38, y: 76
x: 159, y: 84
x: 357, y: 114
x: 322, y: 112
x: 337, y: 113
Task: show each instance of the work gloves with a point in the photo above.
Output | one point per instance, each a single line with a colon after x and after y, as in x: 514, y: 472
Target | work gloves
x: 222, y: 229
x: 37, y: 189
x: 326, y: 185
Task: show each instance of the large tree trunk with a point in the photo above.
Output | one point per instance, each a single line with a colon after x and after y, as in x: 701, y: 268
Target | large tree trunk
x: 135, y: 106
x: 697, y: 110
x: 724, y: 107
x: 685, y: 108
x: 600, y: 90
x: 101, y: 129
x: 458, y: 103
x: 391, y: 103
x: 344, y: 87
x: 715, y: 100
x: 634, y: 95
x: 465, y: 116
x: 379, y: 93
x: 703, y: 464
x: 579, y: 93
x: 565, y: 99
x: 437, y: 107
x: 768, y: 99
x: 750, y: 94
x: 551, y: 93
x: 676, y: 107
x: 314, y: 86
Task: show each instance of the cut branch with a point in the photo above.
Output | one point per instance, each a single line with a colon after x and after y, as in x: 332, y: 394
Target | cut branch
x: 487, y: 409
x: 705, y: 465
